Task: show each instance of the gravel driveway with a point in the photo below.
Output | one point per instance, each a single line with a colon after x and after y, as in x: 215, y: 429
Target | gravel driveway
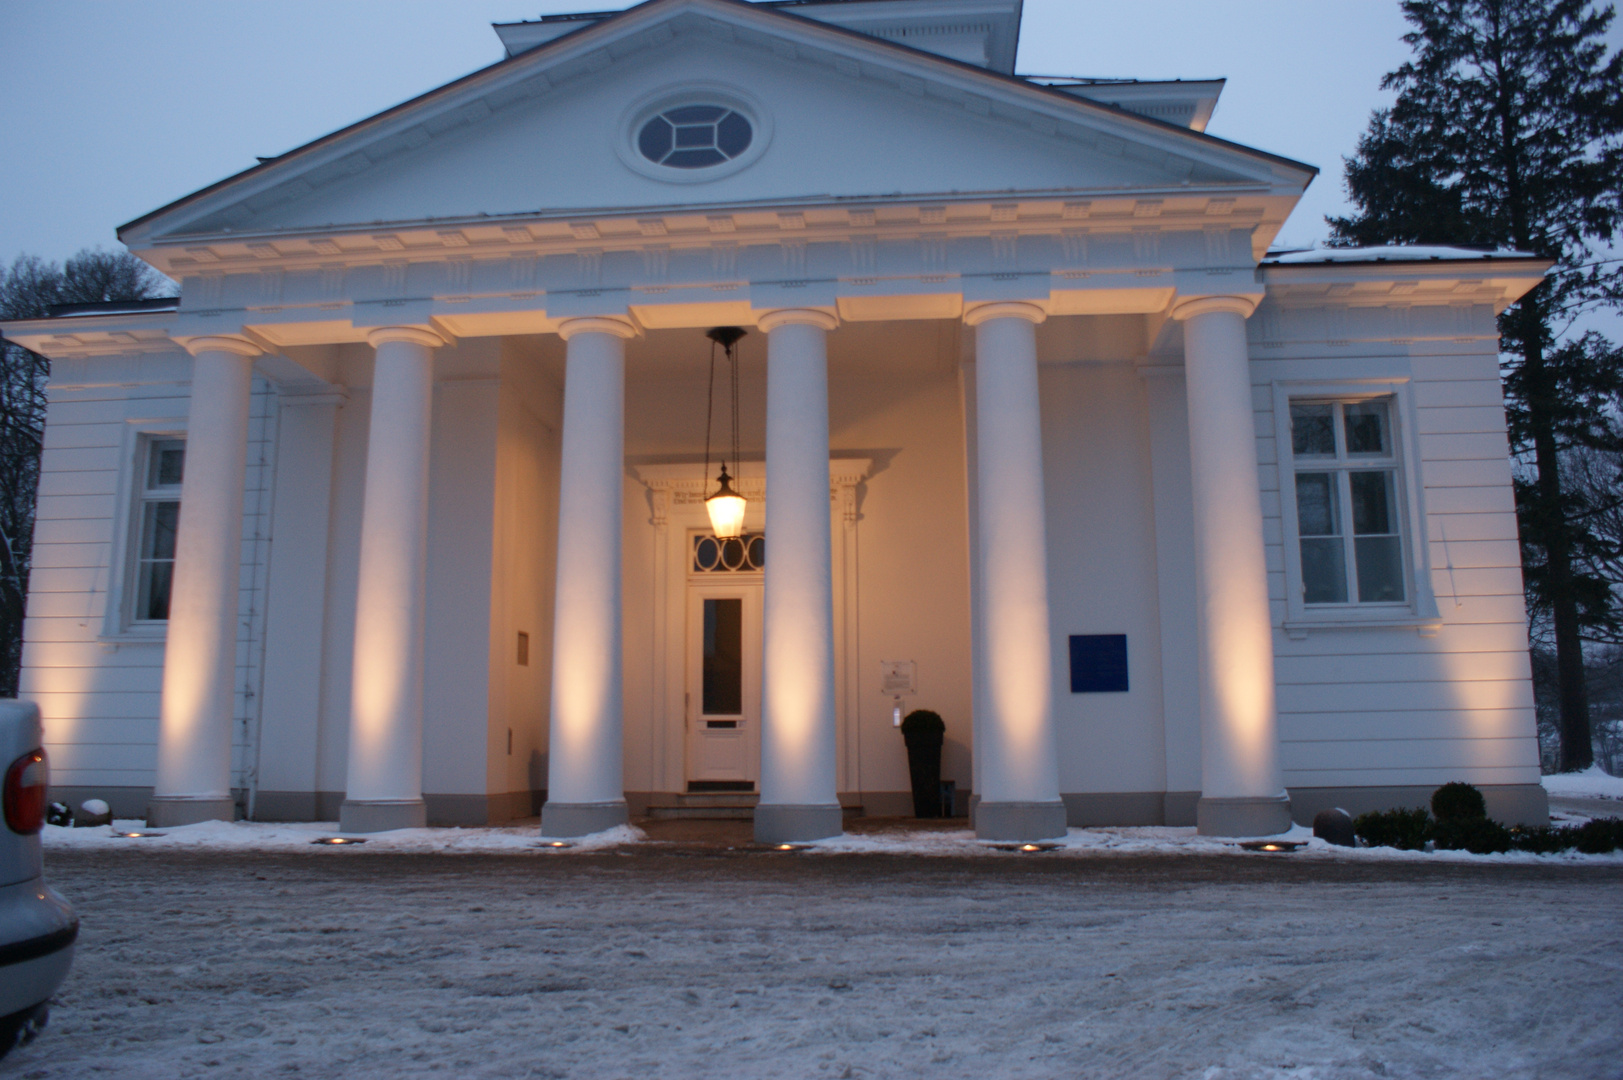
x: 348, y: 963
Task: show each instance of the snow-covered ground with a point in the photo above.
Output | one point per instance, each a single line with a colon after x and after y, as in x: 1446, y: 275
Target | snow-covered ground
x: 1592, y: 783
x: 650, y: 960
x: 243, y: 836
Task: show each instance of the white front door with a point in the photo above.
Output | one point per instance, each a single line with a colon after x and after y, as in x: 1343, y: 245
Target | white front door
x: 723, y: 685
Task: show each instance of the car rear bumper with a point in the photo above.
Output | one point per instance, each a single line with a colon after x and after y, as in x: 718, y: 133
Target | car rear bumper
x: 37, y: 932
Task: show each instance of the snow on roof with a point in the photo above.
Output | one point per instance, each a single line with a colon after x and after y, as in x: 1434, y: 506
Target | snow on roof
x: 1388, y: 253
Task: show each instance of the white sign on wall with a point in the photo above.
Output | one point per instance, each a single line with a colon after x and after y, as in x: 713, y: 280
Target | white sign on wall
x: 899, y: 677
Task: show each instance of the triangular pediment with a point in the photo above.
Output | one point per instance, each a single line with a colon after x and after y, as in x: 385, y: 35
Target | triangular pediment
x: 833, y: 116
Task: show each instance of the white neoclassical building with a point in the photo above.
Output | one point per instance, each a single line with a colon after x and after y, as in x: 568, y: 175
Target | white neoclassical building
x: 398, y: 513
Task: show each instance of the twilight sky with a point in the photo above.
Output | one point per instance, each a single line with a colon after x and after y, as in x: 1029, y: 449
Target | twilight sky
x: 113, y: 109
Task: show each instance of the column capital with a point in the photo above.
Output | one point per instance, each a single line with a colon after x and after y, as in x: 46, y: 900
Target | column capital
x: 1188, y: 308
x: 623, y: 329
x: 413, y: 335
x: 771, y: 320
x: 1005, y: 309
x: 226, y: 343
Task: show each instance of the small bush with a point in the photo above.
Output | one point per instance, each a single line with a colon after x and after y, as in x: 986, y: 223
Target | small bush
x: 1477, y: 835
x: 1541, y: 841
x: 1600, y: 835
x: 1595, y: 837
x: 1458, y: 800
x: 1406, y: 829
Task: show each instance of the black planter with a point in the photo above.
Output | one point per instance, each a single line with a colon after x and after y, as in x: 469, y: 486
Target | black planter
x: 924, y: 732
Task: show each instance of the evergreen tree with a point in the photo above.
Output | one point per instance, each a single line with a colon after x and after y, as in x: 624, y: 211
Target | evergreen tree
x: 1508, y: 132
x: 28, y: 290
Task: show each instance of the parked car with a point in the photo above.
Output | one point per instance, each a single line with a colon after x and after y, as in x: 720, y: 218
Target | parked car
x: 37, y: 927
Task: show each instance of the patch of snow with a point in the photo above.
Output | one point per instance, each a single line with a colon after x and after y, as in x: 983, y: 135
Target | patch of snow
x: 301, y: 836
x: 1388, y: 253
x: 248, y: 836
x: 1593, y: 783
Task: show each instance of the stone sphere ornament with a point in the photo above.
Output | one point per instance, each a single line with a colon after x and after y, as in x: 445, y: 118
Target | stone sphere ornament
x: 1334, y: 827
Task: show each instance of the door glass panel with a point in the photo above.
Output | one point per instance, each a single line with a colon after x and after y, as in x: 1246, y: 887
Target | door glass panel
x: 723, y: 657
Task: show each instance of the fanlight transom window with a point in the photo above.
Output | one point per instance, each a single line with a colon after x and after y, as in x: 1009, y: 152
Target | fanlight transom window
x: 695, y: 136
x: 745, y: 555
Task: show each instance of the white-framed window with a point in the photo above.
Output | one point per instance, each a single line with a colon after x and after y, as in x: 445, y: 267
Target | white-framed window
x: 1353, y: 527
x: 161, y: 465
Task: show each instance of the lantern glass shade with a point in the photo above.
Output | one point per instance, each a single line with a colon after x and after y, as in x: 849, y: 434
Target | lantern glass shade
x: 726, y: 509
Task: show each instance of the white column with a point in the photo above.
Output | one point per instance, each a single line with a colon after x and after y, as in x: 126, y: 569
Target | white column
x: 1242, y: 790
x: 799, y: 800
x: 1018, y: 782
x: 384, y: 788
x: 193, y: 778
x: 586, y: 763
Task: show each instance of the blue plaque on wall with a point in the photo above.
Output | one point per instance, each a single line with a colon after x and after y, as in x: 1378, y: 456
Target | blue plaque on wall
x: 1098, y: 663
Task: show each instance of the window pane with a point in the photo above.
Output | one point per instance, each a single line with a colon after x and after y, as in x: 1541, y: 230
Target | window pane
x: 723, y: 657
x: 1324, y: 571
x: 1316, y: 507
x: 1368, y: 433
x: 158, y: 527
x: 1374, y: 511
x: 1313, y: 431
x: 1380, y: 569
x: 166, y: 462
x: 733, y: 135
x: 153, y: 601
x: 696, y: 135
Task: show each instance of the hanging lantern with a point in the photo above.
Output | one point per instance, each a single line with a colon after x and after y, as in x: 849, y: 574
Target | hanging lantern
x: 726, y: 509
x: 725, y: 506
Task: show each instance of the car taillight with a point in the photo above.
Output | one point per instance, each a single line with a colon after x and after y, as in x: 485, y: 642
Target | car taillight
x: 26, y: 782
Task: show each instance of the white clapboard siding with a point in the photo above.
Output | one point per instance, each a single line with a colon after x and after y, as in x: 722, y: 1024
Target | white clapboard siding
x: 1389, y: 705
x: 99, y: 697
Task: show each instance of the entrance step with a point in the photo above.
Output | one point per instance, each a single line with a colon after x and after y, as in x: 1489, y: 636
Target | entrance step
x: 710, y: 807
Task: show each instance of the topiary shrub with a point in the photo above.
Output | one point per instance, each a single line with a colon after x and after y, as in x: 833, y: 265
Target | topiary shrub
x: 1477, y: 835
x: 924, y: 732
x: 1458, y: 800
x: 1406, y: 829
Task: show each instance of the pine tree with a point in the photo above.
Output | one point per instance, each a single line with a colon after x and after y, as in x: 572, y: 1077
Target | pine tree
x: 1508, y: 132
x: 28, y: 291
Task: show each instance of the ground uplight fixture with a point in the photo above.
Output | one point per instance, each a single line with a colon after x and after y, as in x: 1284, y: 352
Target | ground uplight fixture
x: 556, y: 844
x: 725, y: 506
x: 338, y: 841
x: 1279, y: 846
x: 137, y: 834
x: 1028, y: 849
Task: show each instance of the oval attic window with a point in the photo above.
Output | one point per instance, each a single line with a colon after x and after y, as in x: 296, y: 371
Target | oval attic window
x: 695, y: 136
